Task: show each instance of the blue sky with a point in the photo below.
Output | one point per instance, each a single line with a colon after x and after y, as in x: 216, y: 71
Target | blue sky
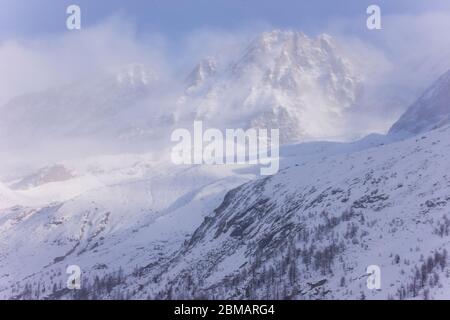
x: 175, y: 18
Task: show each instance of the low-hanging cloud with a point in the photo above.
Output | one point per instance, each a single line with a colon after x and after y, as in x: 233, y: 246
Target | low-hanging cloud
x: 401, y: 60
x: 29, y: 65
x: 397, y: 63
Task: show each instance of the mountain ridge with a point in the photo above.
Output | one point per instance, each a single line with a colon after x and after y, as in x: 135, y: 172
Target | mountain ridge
x: 430, y: 111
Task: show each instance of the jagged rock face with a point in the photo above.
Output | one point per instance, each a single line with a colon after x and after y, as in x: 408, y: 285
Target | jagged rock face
x: 205, y: 69
x: 430, y: 111
x: 284, y: 80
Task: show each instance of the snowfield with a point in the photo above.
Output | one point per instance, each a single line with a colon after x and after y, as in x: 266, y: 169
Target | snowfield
x: 324, y: 218
x: 326, y: 221
x: 107, y: 217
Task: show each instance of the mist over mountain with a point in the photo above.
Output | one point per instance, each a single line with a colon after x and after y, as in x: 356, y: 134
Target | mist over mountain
x: 93, y: 184
x: 284, y: 80
x: 306, y: 87
x: 430, y: 111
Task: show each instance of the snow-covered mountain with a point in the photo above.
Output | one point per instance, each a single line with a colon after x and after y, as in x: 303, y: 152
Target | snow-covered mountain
x: 283, y: 79
x: 311, y: 231
x: 140, y: 227
x: 308, y: 232
x: 430, y: 111
x: 123, y: 211
x: 111, y: 211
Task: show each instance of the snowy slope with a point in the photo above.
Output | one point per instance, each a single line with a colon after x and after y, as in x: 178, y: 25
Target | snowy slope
x: 124, y: 211
x: 114, y: 211
x: 308, y: 232
x: 7, y: 197
x: 324, y: 222
x: 430, y: 111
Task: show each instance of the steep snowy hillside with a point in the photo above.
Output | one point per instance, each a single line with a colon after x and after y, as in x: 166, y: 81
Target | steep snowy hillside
x: 284, y: 80
x: 313, y: 229
x: 113, y: 212
x: 430, y: 111
x: 308, y: 232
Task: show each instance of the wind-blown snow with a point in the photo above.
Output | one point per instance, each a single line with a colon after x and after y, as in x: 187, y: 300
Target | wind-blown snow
x: 141, y: 227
